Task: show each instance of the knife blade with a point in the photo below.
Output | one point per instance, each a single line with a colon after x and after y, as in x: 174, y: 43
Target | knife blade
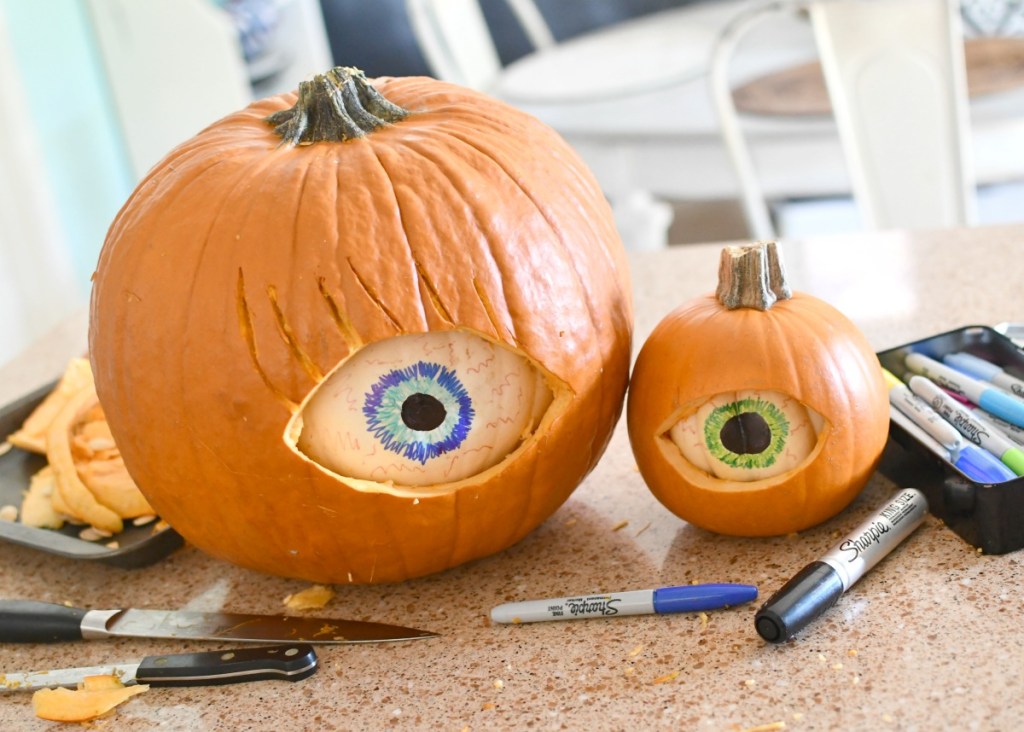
x: 287, y: 662
x: 31, y: 621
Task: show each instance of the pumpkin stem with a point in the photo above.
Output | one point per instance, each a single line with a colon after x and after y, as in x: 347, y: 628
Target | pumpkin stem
x: 752, y: 276
x: 336, y: 106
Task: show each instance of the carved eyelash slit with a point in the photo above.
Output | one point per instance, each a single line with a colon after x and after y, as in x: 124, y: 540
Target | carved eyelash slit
x: 290, y: 340
x: 348, y: 332
x: 248, y: 334
x: 435, y: 298
x: 374, y: 298
x: 485, y: 300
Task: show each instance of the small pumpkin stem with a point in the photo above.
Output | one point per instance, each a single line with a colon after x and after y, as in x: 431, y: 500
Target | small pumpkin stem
x: 333, y: 107
x: 752, y: 276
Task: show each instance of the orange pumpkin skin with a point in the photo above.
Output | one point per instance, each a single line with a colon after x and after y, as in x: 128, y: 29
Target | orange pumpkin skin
x: 802, y: 347
x: 242, y: 271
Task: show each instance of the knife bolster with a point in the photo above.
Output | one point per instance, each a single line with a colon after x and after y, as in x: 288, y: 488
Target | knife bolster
x: 95, y: 623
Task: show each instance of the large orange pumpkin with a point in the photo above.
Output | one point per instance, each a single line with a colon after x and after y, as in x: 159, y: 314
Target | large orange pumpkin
x: 756, y: 411
x: 394, y: 342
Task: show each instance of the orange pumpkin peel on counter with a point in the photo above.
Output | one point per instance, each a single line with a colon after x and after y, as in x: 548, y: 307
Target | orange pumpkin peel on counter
x: 96, y: 697
x: 756, y: 411
x: 364, y: 332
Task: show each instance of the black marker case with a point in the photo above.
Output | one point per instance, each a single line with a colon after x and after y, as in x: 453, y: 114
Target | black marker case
x: 988, y: 516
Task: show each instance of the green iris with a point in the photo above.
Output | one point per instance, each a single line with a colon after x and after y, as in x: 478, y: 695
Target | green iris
x: 748, y: 433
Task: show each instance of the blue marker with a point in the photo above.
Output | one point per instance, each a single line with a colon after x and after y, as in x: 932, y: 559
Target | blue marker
x: 969, y: 425
x: 928, y: 427
x: 682, y: 599
x: 979, y: 368
x: 985, y: 396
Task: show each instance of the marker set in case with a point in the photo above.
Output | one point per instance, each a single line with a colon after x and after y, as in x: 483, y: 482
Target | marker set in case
x: 989, y: 516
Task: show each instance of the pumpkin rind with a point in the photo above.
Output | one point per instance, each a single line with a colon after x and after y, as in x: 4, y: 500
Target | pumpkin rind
x: 241, y: 272
x: 801, y: 346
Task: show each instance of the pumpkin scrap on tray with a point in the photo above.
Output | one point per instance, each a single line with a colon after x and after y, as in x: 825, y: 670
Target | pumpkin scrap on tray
x: 85, y: 480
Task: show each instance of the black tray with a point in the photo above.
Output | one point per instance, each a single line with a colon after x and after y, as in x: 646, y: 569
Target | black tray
x: 988, y: 516
x: 137, y: 546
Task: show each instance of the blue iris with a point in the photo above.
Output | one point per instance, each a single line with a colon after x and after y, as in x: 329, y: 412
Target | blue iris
x: 383, y: 409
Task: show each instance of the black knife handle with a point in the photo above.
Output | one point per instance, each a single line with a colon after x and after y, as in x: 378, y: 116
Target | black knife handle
x: 290, y: 662
x: 30, y: 621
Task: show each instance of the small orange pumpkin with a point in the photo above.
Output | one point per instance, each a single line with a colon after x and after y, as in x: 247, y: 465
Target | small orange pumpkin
x: 393, y: 343
x: 756, y: 411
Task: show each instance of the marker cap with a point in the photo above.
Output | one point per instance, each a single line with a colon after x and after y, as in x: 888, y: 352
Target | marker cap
x: 972, y: 365
x: 694, y: 598
x: 809, y: 593
x: 1014, y: 459
x: 1003, y: 405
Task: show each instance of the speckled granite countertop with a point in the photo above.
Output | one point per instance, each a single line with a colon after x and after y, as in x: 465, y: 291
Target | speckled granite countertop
x: 931, y: 639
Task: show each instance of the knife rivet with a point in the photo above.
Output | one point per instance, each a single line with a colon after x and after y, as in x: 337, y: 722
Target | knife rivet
x: 227, y: 656
x: 162, y: 661
x: 291, y: 651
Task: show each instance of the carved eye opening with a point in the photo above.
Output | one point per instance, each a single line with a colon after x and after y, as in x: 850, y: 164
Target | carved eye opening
x: 423, y: 409
x: 748, y: 435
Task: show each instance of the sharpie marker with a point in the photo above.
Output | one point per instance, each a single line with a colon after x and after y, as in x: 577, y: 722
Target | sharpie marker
x: 683, y: 599
x: 969, y: 425
x: 819, y: 585
x: 1012, y: 431
x: 977, y: 464
x: 984, y: 395
x: 938, y: 435
x: 979, y: 368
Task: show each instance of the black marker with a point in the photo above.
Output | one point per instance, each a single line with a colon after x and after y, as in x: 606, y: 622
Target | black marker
x: 818, y: 586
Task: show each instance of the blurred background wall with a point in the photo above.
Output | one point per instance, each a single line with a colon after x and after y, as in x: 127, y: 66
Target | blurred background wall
x: 72, y: 152
x: 76, y: 139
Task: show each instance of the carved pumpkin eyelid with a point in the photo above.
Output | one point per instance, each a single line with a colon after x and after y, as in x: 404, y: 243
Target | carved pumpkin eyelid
x: 746, y: 435
x: 363, y: 421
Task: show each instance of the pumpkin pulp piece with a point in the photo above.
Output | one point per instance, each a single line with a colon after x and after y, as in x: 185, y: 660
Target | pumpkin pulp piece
x: 97, y: 697
x: 73, y: 493
x: 37, y: 506
x: 336, y: 106
x: 32, y: 435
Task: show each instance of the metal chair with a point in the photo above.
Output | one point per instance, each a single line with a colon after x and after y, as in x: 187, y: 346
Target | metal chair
x: 630, y: 98
x: 473, y: 60
x: 895, y: 75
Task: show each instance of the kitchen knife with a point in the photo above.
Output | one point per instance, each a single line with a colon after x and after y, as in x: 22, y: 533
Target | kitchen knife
x: 30, y: 621
x: 285, y: 662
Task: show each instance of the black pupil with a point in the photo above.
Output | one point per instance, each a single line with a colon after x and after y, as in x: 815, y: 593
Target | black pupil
x: 746, y: 434
x: 422, y: 412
